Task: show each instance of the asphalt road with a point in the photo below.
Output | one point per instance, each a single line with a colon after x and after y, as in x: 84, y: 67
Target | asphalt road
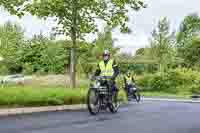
x: 145, y: 117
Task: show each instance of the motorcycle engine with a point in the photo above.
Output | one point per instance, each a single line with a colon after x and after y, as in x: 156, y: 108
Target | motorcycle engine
x: 96, y: 84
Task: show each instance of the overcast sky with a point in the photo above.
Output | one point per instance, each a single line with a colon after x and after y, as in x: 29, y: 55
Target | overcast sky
x: 141, y: 22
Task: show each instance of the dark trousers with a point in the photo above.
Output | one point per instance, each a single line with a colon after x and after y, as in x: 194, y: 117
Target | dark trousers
x: 113, y: 86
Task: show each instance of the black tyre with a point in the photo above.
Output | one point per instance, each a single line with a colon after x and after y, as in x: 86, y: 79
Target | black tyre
x: 113, y: 107
x: 137, y: 96
x: 93, y: 101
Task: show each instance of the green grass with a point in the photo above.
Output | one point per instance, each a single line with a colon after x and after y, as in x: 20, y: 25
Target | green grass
x: 29, y: 96
x: 166, y: 95
x: 16, y: 96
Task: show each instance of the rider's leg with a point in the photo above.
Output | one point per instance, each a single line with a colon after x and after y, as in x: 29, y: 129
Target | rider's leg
x: 113, y: 86
x: 129, y: 92
x: 126, y: 90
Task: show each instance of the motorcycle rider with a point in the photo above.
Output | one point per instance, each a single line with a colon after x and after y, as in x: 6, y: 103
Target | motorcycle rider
x: 129, y: 82
x: 108, y: 68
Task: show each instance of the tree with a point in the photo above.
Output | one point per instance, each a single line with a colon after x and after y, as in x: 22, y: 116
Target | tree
x: 11, y: 39
x: 75, y: 18
x: 104, y: 41
x: 192, y: 56
x: 146, y: 60
x: 140, y: 51
x: 189, y: 29
x: 162, y: 44
x: 42, y: 55
x: 87, y: 58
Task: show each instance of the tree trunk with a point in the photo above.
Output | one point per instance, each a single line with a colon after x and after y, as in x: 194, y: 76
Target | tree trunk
x: 73, y: 54
x: 73, y: 60
x: 72, y: 68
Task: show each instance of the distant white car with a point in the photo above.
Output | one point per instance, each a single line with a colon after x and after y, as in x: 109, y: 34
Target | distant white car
x: 14, y: 79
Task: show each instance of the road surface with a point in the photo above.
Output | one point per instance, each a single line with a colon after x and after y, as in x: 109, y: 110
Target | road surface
x: 145, y: 117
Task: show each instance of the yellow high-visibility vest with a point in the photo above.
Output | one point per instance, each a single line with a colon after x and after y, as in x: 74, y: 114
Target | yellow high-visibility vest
x: 106, y: 69
x: 128, y: 78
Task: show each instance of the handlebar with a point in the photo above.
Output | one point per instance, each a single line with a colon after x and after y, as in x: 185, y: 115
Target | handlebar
x: 102, y: 77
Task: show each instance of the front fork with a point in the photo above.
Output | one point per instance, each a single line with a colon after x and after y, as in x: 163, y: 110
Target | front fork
x: 105, y: 101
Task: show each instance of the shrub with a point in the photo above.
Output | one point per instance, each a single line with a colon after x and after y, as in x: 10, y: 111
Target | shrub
x: 3, y: 69
x: 173, y: 81
x: 28, y: 68
x: 195, y: 89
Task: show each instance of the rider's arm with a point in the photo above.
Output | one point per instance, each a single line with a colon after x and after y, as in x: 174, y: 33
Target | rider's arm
x: 116, y: 69
x: 98, y: 71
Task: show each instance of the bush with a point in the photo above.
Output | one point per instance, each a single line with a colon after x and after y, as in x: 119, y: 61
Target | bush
x: 28, y: 69
x: 3, y: 69
x: 173, y: 81
x: 195, y: 89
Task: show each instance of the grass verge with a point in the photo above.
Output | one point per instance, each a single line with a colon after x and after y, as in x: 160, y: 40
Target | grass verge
x: 165, y: 95
x: 29, y: 96
x: 15, y: 96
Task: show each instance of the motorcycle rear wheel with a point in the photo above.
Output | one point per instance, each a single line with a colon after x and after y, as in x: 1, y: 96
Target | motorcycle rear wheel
x: 114, y: 106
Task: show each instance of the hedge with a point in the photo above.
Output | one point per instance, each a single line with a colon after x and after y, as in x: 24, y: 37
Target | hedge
x: 175, y: 81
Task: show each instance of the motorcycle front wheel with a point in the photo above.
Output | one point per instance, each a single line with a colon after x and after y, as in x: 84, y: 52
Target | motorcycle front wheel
x: 93, y: 101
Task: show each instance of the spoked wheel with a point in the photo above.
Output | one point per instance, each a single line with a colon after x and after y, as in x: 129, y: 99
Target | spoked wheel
x: 114, y: 105
x: 137, y: 96
x: 93, y: 102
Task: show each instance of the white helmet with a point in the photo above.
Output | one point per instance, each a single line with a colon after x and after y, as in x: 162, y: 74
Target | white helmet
x: 106, y: 55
